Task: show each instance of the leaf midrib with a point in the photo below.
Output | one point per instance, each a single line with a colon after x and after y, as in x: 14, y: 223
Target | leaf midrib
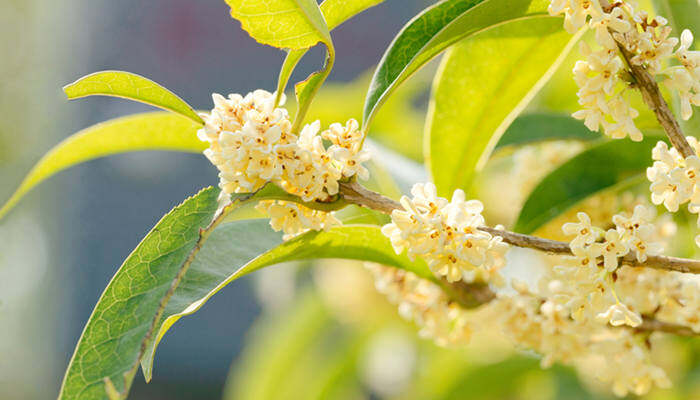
x: 459, y: 177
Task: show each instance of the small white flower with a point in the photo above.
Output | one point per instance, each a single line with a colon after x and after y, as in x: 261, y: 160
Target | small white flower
x: 613, y: 248
x: 602, y: 22
x: 618, y: 314
x: 294, y: 219
x: 583, y: 230
x: 445, y: 233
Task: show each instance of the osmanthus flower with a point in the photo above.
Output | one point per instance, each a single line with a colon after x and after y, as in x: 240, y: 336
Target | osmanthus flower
x: 610, y: 354
x: 685, y: 78
x: 612, y: 248
x: 445, y: 233
x: 584, y: 233
x: 576, y: 12
x: 602, y: 23
x: 674, y: 179
x: 425, y: 303
x: 294, y: 219
x: 638, y: 232
x: 251, y: 143
x: 618, y: 314
x: 649, y: 44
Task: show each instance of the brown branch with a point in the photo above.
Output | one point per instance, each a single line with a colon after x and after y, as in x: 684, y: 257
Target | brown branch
x: 355, y: 193
x: 650, y: 324
x: 655, y: 101
x: 472, y: 295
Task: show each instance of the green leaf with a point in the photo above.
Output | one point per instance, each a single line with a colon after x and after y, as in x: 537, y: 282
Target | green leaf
x: 593, y: 170
x: 172, y: 267
x: 306, y: 90
x: 335, y: 12
x: 108, y: 353
x: 538, y: 127
x: 130, y: 86
x: 147, y: 131
x: 232, y: 252
x: 484, y: 82
x: 290, y: 24
x: 431, y: 32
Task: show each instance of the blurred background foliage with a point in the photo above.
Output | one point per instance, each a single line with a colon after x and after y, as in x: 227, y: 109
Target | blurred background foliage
x: 302, y: 331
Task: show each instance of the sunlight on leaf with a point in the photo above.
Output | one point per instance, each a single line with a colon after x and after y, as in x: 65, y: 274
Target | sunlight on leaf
x: 431, y: 32
x: 335, y: 12
x: 483, y: 84
x: 130, y: 86
x: 148, y: 131
x: 288, y: 24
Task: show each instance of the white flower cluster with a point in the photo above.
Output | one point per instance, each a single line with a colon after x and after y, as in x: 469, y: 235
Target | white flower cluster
x: 671, y: 297
x: 445, y: 234
x: 675, y: 180
x: 578, y: 311
x: 423, y: 302
x: 611, y: 355
x: 251, y: 143
x: 587, y: 287
x: 294, y: 219
x: 600, y: 77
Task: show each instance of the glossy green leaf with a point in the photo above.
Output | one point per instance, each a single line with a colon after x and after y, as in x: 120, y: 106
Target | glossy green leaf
x: 484, y: 82
x: 335, y: 12
x: 306, y: 90
x: 130, y: 86
x: 174, y: 266
x: 434, y: 30
x: 289, y: 24
x: 108, y: 353
x: 148, y: 131
x: 593, y: 170
x: 538, y: 127
x: 220, y: 263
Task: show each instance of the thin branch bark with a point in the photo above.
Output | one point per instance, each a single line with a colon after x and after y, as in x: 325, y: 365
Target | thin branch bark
x: 471, y: 295
x: 650, y: 324
x: 655, y: 101
x: 355, y: 193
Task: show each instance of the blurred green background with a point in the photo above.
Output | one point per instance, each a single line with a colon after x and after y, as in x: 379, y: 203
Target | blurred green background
x: 292, y: 332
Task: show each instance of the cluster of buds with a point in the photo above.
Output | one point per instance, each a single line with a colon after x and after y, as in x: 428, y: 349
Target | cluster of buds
x: 294, y: 219
x: 611, y: 355
x: 601, y: 77
x: 445, y: 233
x: 251, y: 143
x: 588, y: 286
x: 423, y: 302
x: 674, y: 178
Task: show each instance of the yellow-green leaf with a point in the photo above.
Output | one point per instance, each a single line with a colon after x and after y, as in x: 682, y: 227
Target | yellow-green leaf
x: 147, y: 131
x: 483, y: 84
x: 335, y: 12
x: 130, y: 86
x: 289, y: 24
x: 434, y: 30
